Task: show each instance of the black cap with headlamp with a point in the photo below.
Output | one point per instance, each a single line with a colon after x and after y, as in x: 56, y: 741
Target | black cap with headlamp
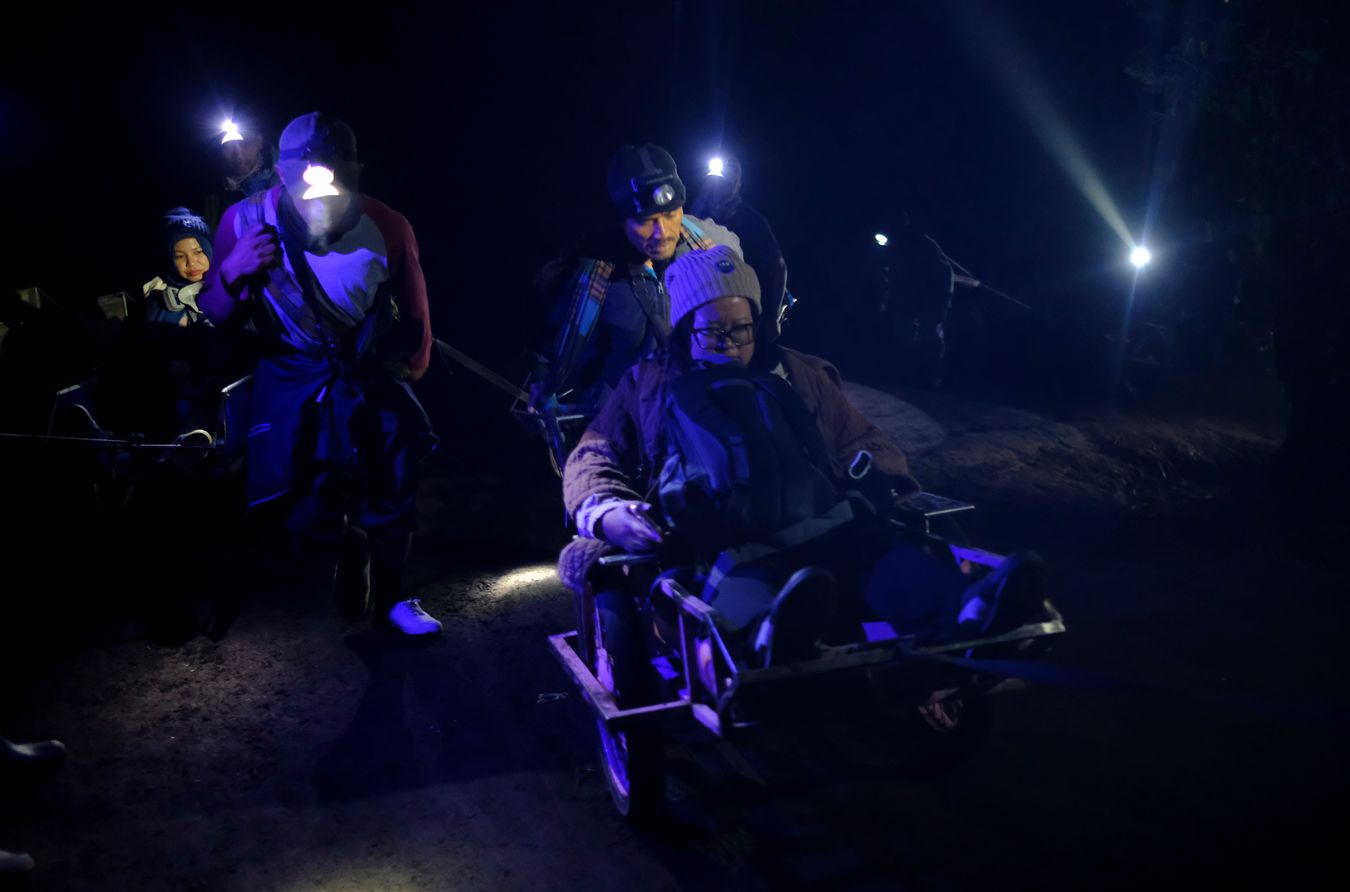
x: 642, y: 181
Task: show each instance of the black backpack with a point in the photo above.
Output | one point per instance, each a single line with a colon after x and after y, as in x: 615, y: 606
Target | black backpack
x: 745, y: 458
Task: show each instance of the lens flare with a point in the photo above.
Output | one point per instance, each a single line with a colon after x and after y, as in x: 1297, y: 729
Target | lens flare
x: 994, y: 45
x: 229, y: 132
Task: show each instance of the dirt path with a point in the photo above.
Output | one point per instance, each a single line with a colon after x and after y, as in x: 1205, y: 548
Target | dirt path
x: 299, y: 754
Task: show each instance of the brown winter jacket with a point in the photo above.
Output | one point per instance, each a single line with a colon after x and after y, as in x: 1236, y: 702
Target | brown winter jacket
x: 622, y: 450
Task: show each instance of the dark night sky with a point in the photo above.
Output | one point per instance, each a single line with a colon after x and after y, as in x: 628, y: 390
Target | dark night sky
x: 490, y: 129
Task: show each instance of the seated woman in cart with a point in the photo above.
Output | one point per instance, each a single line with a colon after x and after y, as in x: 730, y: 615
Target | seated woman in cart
x: 748, y: 462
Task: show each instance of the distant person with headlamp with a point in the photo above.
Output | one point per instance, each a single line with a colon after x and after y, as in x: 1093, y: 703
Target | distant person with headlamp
x: 247, y: 166
x: 331, y: 278
x: 719, y: 199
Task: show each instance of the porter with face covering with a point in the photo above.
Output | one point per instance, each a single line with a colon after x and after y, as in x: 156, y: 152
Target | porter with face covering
x: 331, y: 279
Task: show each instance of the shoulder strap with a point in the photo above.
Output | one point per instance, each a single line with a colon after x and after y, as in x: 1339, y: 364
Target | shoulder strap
x: 298, y: 296
x: 799, y: 416
x: 251, y: 210
x: 588, y: 290
x: 288, y: 298
x: 330, y: 318
x: 698, y: 239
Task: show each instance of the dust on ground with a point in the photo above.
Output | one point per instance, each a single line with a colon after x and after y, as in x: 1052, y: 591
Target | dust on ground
x: 299, y: 753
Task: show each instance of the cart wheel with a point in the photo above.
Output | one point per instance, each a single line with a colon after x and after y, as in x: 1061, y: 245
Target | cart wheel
x: 633, y: 761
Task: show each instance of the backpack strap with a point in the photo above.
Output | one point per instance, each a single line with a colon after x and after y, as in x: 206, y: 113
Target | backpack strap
x: 697, y: 238
x: 588, y: 289
x: 803, y: 424
x: 251, y: 211
x: 297, y: 295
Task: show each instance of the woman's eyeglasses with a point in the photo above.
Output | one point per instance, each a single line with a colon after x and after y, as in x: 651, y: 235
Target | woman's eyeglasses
x: 721, y: 338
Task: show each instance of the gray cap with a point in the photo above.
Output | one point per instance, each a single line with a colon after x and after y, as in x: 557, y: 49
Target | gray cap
x: 701, y: 276
x: 320, y: 139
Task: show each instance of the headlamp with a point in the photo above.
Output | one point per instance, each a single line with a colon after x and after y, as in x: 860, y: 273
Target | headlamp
x: 229, y: 132
x: 649, y: 185
x: 716, y: 167
x: 1140, y: 256
x: 320, y: 181
x: 881, y: 238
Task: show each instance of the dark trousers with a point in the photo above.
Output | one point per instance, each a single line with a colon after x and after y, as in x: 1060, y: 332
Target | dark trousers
x: 878, y: 574
x: 336, y: 445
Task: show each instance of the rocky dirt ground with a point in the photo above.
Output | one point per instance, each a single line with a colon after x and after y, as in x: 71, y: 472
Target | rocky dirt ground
x: 300, y: 753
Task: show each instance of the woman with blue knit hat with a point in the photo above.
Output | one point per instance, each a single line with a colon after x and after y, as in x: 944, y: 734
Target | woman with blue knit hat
x: 171, y: 296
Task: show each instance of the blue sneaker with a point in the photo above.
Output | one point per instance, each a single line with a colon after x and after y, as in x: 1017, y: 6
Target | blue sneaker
x: 15, y: 863
x: 44, y: 753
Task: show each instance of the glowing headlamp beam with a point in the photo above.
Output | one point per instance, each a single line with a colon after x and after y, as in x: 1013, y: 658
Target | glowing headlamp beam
x: 1013, y: 69
x: 716, y: 167
x: 881, y: 239
x: 229, y: 132
x: 525, y: 579
x: 1140, y: 256
x: 320, y: 181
